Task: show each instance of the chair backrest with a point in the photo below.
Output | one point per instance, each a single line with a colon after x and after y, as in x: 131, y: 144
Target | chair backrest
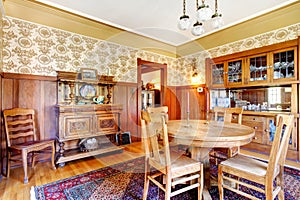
x: 284, y: 127
x: 227, y: 113
x: 158, y: 155
x: 157, y: 112
x: 19, y: 125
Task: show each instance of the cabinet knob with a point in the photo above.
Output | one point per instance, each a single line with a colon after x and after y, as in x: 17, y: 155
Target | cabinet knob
x: 255, y: 138
x: 255, y: 127
x: 267, y: 130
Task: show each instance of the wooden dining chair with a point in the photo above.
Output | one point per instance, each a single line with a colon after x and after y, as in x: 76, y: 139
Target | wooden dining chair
x: 171, y: 167
x: 157, y: 112
x: 270, y: 174
x: 21, y: 139
x: 225, y: 114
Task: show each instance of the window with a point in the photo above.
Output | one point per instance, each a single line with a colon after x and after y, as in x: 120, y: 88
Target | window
x: 274, y: 95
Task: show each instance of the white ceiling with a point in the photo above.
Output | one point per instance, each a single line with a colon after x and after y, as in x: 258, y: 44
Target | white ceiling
x: 158, y: 19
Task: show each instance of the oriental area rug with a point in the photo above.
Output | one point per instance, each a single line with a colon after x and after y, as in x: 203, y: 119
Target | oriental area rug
x: 126, y: 180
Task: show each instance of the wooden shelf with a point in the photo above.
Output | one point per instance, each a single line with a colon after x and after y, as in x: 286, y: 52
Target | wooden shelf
x: 76, y: 153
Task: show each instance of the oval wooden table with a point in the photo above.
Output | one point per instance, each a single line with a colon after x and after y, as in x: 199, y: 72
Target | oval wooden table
x: 201, y: 136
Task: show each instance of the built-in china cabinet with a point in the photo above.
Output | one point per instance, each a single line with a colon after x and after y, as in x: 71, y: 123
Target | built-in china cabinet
x: 88, y: 121
x: 265, y: 82
x: 255, y: 68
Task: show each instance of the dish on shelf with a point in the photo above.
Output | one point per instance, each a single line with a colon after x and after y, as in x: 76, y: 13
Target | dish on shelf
x: 87, y: 91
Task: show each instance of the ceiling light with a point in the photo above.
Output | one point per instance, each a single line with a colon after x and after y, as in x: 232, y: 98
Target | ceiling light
x: 217, y: 20
x: 204, y: 14
x: 184, y: 20
x: 198, y: 29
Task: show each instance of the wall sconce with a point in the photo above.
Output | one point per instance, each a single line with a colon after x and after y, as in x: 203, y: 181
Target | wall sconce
x: 195, y: 76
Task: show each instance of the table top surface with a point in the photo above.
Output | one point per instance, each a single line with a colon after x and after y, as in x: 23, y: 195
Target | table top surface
x: 216, y: 134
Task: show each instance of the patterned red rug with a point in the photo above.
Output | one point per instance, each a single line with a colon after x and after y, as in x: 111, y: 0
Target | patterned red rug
x: 126, y: 180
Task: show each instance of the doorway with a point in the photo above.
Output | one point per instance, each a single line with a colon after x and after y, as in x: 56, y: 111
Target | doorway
x: 150, y: 71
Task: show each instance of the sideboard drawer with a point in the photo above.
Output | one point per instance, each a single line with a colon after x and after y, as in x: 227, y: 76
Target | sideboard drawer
x: 76, y: 127
x: 254, y: 118
x: 259, y: 137
x: 257, y: 126
x: 106, y: 124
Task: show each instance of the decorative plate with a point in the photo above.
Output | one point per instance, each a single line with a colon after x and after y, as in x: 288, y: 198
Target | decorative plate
x: 87, y: 91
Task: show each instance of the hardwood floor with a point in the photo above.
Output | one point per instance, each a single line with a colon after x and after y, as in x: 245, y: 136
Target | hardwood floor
x: 13, y: 187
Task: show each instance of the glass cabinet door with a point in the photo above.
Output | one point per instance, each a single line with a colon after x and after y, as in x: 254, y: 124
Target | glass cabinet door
x: 235, y: 72
x: 218, y: 74
x: 283, y: 64
x: 258, y: 68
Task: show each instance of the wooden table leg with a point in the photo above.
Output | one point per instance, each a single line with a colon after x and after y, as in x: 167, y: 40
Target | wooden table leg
x: 202, y: 155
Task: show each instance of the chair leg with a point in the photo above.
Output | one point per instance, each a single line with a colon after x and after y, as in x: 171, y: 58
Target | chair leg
x: 220, y: 182
x: 279, y: 183
x: 8, y: 164
x: 146, y: 180
x: 53, y: 156
x: 33, y: 159
x: 269, y: 191
x: 24, y: 159
x: 168, y: 187
x: 201, y: 181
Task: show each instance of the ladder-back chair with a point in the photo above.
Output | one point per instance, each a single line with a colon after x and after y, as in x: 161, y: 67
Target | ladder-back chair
x: 21, y: 139
x: 270, y: 175
x: 172, y: 167
x: 225, y: 114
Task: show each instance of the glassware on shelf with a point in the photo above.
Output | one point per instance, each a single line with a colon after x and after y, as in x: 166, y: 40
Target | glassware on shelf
x: 234, y: 71
x: 258, y: 68
x: 283, y: 64
x: 218, y: 73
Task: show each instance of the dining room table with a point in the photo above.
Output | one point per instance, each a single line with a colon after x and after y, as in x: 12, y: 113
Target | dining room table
x: 200, y: 136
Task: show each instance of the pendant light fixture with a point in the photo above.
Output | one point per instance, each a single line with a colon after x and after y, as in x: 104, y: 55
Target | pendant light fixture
x: 217, y: 20
x: 203, y: 15
x: 184, y: 20
x: 197, y: 28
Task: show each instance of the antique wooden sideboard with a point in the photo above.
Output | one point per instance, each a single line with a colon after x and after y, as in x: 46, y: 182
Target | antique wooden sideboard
x: 88, y: 122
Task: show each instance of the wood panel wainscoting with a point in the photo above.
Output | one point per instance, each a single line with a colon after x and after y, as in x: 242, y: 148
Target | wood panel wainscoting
x: 40, y: 93
x: 30, y: 91
x: 191, y: 99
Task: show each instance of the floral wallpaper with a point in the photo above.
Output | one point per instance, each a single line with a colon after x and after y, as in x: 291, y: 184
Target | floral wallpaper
x: 31, y: 48
x: 276, y: 36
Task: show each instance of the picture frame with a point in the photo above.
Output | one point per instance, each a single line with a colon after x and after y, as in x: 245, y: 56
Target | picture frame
x: 89, y: 74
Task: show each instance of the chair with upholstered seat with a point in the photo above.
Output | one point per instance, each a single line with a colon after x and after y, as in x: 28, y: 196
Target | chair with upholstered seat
x: 171, y: 167
x: 225, y: 114
x: 270, y: 175
x: 21, y: 139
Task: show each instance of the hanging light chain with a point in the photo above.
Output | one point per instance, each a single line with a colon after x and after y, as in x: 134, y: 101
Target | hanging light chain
x: 216, y: 10
x: 203, y: 5
x: 184, y: 7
